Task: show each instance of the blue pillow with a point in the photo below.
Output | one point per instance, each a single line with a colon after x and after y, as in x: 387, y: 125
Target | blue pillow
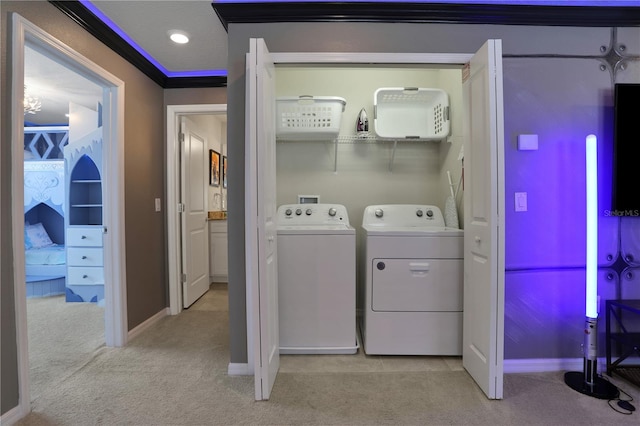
x: 27, y: 241
x: 35, y: 236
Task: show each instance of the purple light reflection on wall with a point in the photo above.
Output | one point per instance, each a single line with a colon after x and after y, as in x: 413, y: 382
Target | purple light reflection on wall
x: 562, y: 101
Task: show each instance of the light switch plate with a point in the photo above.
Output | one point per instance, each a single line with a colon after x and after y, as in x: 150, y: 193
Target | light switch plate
x: 521, y: 201
x: 158, y: 205
x: 527, y: 142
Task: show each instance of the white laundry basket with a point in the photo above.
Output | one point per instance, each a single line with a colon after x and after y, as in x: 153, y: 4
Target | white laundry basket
x: 411, y: 113
x: 309, y: 117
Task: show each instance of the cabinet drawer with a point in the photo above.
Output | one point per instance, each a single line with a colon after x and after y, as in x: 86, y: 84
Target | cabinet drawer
x: 85, y: 237
x: 80, y: 256
x: 216, y: 226
x: 80, y: 275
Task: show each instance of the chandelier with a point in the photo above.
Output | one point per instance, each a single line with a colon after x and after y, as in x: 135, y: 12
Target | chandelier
x: 31, y: 103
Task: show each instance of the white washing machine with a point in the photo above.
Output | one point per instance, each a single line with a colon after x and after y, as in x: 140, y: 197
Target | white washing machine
x: 316, y: 279
x: 413, y: 282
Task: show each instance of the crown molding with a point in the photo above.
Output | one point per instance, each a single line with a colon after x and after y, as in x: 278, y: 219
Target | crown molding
x: 87, y: 20
x: 411, y: 12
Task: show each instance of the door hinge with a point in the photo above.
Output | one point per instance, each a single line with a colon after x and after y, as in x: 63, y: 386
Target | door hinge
x: 181, y: 137
x: 104, y: 229
x: 180, y: 208
x: 183, y: 278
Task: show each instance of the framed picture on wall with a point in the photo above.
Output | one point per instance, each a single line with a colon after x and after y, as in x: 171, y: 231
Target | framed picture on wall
x: 224, y: 171
x: 214, y: 168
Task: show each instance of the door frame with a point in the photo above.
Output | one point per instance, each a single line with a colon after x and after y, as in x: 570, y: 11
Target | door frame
x: 173, y: 194
x: 335, y: 58
x: 25, y: 33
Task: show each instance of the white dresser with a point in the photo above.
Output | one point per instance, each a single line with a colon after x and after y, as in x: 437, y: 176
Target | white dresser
x: 85, y: 271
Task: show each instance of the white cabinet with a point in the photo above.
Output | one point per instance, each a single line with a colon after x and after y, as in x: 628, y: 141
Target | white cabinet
x: 85, y: 271
x: 218, y: 258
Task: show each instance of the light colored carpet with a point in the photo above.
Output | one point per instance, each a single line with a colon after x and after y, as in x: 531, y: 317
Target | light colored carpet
x: 62, y: 338
x: 175, y: 374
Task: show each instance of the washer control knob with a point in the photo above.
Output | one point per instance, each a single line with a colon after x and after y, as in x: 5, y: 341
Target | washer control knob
x: 379, y: 213
x: 308, y: 212
x: 332, y: 212
x: 288, y: 212
x: 298, y: 212
x: 419, y: 213
x: 429, y: 213
x: 381, y: 266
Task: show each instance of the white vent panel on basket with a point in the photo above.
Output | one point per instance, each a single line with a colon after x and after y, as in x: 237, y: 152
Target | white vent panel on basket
x: 411, y: 113
x: 309, y: 117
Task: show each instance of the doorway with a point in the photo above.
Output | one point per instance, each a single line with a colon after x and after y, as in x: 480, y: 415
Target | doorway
x: 64, y: 330
x: 486, y: 344
x: 216, y: 194
x: 24, y: 36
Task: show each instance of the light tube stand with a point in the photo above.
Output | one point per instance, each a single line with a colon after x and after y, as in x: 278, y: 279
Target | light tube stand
x: 588, y: 382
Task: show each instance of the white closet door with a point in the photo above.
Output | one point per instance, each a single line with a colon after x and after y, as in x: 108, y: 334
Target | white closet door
x: 260, y: 207
x: 483, y: 324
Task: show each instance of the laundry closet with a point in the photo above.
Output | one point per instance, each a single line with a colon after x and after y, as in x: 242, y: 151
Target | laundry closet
x: 409, y: 152
x: 357, y: 171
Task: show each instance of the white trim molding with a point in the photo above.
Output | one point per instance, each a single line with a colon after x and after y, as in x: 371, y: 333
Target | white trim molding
x: 142, y: 327
x: 12, y: 416
x: 541, y: 365
x: 24, y: 33
x: 239, y: 369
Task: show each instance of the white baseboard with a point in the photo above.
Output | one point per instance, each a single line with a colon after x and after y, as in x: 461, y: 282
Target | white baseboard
x: 218, y: 278
x: 239, y: 369
x: 148, y: 323
x: 541, y: 365
x: 12, y: 416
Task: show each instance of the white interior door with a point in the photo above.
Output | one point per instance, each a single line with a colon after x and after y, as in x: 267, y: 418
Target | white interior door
x: 195, y: 235
x: 260, y: 207
x: 483, y: 324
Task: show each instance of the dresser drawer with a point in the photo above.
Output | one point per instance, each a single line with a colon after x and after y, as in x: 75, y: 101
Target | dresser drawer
x: 84, y: 256
x: 85, y: 237
x: 80, y: 275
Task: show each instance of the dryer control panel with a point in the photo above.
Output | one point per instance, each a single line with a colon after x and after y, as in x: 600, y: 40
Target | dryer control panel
x: 403, y: 215
x: 312, y: 214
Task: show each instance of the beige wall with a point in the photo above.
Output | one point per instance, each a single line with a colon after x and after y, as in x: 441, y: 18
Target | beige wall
x: 200, y: 95
x: 144, y: 176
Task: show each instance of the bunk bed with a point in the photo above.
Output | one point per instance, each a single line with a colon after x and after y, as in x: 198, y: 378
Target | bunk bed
x: 44, y: 201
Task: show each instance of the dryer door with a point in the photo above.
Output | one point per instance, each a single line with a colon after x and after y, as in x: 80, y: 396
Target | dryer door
x: 417, y: 285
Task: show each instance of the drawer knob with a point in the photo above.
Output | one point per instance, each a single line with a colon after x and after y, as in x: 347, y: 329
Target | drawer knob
x: 84, y: 257
x: 84, y: 237
x: 85, y: 276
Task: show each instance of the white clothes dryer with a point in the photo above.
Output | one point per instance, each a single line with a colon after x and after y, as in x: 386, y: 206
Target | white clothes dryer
x: 316, y: 279
x: 413, y: 282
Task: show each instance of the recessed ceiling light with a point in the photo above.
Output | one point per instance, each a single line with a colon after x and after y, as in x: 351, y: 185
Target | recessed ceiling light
x: 179, y: 37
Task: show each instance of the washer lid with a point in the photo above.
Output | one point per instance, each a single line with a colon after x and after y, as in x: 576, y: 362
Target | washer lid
x: 340, y: 229
x: 412, y: 231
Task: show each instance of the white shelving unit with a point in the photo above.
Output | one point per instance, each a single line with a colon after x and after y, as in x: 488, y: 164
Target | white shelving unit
x: 84, y: 221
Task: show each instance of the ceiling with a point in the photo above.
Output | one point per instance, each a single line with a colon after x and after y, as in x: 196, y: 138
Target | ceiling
x: 138, y: 30
x: 147, y: 23
x: 55, y: 86
x: 144, y: 25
